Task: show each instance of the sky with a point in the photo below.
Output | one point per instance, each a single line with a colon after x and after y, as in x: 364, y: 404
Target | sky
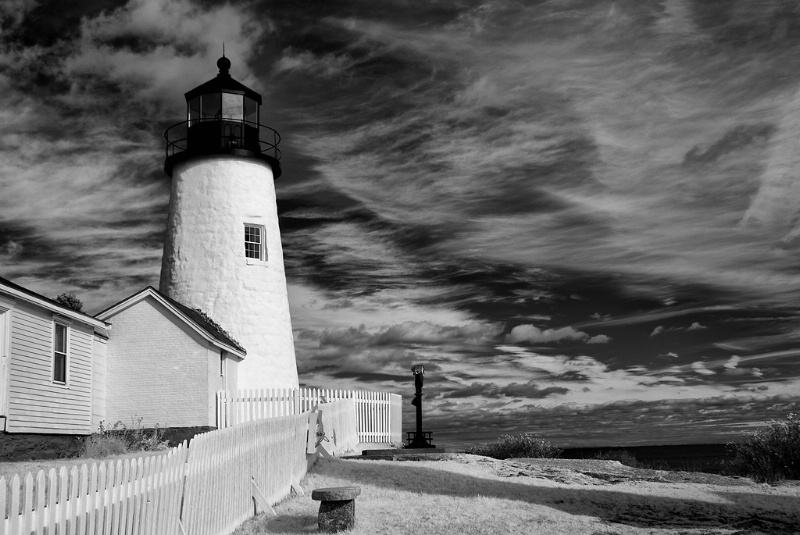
x: 581, y: 216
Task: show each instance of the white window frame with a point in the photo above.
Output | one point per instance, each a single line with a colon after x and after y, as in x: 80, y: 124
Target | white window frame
x: 67, y: 335
x: 6, y: 308
x: 262, y: 253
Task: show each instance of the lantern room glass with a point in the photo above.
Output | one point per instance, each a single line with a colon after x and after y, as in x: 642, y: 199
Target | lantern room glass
x: 250, y: 110
x: 194, y: 110
x: 232, y: 107
x: 210, y: 106
x: 227, y: 106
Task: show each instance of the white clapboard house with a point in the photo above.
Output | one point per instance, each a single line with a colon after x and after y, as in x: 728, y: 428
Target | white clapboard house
x: 146, y: 360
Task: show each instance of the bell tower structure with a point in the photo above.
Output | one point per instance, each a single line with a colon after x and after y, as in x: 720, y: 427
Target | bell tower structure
x: 222, y: 252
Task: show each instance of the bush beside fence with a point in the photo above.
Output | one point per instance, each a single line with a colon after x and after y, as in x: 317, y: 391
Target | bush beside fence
x: 207, y: 488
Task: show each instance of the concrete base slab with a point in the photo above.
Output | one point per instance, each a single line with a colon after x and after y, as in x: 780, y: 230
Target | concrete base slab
x: 406, y: 454
x: 395, y: 451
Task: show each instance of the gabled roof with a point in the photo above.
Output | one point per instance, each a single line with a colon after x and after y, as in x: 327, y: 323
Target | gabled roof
x: 19, y: 292
x: 195, y: 319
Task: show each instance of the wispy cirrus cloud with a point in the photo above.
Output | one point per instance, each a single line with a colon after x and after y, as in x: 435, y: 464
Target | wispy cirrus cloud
x: 512, y: 114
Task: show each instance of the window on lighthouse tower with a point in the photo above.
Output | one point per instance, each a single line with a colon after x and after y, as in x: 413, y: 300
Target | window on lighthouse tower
x: 254, y: 237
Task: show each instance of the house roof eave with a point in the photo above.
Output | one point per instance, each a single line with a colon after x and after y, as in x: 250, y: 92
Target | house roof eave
x: 18, y: 292
x: 152, y: 292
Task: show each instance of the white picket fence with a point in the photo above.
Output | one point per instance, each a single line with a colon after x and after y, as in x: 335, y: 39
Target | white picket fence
x: 133, y: 496
x: 207, y: 488
x: 379, y: 415
x: 228, y: 468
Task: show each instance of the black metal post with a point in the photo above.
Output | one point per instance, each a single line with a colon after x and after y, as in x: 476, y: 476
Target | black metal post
x: 418, y: 401
x: 420, y: 439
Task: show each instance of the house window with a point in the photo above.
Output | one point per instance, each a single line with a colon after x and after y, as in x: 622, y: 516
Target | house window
x: 60, y: 353
x: 254, y: 236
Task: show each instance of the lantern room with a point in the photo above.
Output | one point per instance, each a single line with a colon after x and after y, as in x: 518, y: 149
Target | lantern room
x: 222, y: 117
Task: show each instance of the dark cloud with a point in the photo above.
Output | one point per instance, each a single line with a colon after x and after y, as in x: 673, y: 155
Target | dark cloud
x: 528, y: 390
x: 49, y: 22
x: 734, y: 140
x: 20, y: 242
x: 744, y: 24
x: 371, y: 377
x: 350, y: 337
x: 571, y: 376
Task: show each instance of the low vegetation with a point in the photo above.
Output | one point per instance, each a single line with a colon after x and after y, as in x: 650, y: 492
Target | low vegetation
x: 116, y: 441
x: 525, y: 445
x: 119, y: 439
x: 769, y: 454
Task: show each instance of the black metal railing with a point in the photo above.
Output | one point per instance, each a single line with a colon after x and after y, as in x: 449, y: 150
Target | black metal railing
x: 221, y: 135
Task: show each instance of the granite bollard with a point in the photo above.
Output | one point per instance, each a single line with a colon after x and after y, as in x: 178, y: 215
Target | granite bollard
x: 337, y: 510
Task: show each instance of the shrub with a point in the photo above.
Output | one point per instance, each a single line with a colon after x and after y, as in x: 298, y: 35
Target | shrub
x: 769, y: 454
x: 102, y: 446
x: 70, y: 300
x: 517, y: 446
x: 119, y: 439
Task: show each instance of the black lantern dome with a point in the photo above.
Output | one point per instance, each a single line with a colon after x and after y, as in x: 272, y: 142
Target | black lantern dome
x: 223, y: 117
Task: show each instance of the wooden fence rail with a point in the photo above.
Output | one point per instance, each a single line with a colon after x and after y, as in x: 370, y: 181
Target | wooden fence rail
x: 378, y: 414
x: 206, y: 488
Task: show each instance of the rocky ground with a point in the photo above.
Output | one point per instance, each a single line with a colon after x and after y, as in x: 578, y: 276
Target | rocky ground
x: 597, y: 472
x: 746, y: 507
x: 745, y: 521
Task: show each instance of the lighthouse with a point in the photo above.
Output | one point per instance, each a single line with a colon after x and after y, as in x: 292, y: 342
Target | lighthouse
x: 222, y: 253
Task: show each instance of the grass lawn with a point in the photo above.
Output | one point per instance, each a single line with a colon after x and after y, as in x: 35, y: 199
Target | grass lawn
x: 469, y: 494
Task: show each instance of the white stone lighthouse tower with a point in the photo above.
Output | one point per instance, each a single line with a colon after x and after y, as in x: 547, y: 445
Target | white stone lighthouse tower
x: 223, y: 252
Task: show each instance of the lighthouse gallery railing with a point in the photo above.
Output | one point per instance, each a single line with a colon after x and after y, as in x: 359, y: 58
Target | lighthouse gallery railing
x: 210, y: 135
